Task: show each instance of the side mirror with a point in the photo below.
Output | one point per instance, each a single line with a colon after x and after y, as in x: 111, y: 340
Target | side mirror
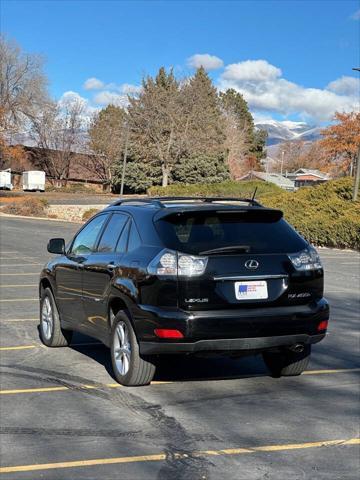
x: 56, y: 245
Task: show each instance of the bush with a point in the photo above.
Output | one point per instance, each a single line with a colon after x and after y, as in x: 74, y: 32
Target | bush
x: 32, y: 207
x: 89, y: 213
x: 324, y: 215
x: 72, y: 188
x: 201, y: 169
x: 228, y: 188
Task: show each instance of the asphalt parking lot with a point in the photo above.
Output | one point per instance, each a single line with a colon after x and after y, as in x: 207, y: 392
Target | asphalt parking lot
x: 62, y: 415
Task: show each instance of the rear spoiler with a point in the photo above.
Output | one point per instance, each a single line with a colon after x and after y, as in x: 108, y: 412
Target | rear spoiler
x: 245, y: 213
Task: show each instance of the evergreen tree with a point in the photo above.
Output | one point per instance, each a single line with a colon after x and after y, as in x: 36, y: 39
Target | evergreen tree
x: 155, y: 118
x: 204, y: 133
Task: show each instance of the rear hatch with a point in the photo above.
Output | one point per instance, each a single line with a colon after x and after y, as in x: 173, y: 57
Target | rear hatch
x: 247, y: 263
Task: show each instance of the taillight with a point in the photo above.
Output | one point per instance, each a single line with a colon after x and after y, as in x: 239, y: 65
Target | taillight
x: 307, y: 259
x: 168, y: 333
x: 171, y: 263
x: 323, y: 325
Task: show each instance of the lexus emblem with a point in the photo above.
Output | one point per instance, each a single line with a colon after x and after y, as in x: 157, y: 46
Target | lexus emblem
x: 252, y: 264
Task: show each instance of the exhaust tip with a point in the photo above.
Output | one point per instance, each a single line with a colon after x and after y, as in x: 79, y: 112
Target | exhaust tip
x: 297, y: 348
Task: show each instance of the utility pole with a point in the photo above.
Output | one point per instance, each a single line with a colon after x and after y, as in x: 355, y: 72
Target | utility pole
x: 282, y: 162
x: 357, y: 176
x: 357, y: 167
x: 125, y: 158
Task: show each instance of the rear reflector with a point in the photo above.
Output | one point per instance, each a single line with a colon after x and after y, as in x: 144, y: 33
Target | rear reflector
x: 323, y: 325
x: 166, y: 333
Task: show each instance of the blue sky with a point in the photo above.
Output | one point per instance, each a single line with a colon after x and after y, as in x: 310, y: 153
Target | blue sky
x: 274, y: 52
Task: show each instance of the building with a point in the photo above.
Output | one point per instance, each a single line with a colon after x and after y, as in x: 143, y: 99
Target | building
x: 303, y: 177
x: 276, y: 178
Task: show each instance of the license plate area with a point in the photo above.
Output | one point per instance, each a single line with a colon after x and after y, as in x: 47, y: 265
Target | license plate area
x: 251, y: 290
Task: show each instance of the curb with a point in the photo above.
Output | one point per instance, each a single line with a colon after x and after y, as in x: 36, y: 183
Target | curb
x: 8, y: 215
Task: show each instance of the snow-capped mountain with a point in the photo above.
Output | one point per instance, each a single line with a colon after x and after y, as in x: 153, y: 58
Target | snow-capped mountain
x: 279, y: 132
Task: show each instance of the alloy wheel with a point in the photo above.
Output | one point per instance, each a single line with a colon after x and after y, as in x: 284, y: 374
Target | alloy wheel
x: 47, y: 321
x: 122, y: 348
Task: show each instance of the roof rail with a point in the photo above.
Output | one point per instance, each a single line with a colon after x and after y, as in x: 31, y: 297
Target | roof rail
x: 159, y: 201
x: 252, y: 200
x: 153, y: 201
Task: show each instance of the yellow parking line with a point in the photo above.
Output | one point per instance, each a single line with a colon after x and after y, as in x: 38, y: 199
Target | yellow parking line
x: 324, y: 372
x: 157, y: 457
x: 20, y: 264
x: 9, y: 320
x: 116, y: 385
x: 20, y: 347
x: 19, y: 274
x: 20, y: 285
x: 19, y: 300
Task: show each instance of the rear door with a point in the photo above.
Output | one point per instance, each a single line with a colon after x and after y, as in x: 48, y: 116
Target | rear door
x: 99, y: 270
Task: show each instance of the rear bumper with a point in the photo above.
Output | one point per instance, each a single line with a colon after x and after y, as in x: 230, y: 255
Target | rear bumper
x: 232, y: 329
x: 230, y: 344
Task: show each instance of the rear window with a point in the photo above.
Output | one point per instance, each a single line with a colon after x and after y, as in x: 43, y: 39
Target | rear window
x: 262, y: 232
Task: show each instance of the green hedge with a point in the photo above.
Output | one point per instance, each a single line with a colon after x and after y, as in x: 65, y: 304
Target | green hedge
x: 324, y: 215
x: 228, y: 188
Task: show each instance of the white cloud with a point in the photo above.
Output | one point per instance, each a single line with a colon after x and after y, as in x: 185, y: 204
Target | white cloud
x: 345, y: 86
x: 265, y: 90
x: 129, y: 89
x: 251, y: 70
x: 356, y: 15
x: 93, y: 84
x: 106, y: 97
x: 208, y: 62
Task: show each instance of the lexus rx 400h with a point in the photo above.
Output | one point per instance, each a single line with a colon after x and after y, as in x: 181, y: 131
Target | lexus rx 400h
x: 158, y: 276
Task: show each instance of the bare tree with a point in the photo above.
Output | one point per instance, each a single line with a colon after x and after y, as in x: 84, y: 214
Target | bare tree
x: 236, y: 144
x: 58, y: 131
x: 107, y: 134
x: 22, y: 86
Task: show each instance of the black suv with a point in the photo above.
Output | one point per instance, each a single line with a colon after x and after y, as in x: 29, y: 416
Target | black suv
x: 186, y: 276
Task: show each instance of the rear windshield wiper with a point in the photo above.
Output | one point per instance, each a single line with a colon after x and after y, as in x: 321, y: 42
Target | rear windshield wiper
x: 231, y: 249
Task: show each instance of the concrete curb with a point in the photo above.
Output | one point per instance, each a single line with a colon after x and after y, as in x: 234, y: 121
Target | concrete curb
x: 8, y: 215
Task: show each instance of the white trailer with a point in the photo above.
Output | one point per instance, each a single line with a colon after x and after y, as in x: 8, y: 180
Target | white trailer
x: 5, y: 180
x: 34, y: 180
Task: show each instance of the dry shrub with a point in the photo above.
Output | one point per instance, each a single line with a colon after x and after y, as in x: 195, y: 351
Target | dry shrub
x: 89, y: 213
x: 31, y: 207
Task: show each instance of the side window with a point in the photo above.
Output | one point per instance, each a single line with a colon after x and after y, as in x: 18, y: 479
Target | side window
x: 134, y: 238
x: 85, y: 241
x: 123, y: 240
x: 112, y: 232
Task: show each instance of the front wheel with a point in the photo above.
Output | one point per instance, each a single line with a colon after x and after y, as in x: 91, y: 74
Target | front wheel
x: 130, y: 369
x: 287, y: 363
x: 51, y: 333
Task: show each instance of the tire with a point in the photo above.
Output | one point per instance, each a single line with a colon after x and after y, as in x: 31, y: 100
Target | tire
x: 130, y: 369
x: 287, y: 363
x: 51, y: 333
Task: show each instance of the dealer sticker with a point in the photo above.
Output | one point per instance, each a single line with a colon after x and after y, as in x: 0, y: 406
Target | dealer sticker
x: 254, y: 290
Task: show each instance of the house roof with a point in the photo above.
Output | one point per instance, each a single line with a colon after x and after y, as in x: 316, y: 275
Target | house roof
x: 276, y: 178
x: 308, y: 171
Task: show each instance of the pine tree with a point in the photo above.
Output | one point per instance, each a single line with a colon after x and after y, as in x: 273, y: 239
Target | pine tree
x: 204, y: 134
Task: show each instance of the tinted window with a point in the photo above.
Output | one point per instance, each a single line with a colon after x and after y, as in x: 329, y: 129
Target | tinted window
x: 85, y: 241
x: 123, y: 240
x: 262, y: 232
x: 112, y: 232
x: 134, y: 238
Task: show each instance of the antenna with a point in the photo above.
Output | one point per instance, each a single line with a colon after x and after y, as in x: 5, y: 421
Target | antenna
x: 253, y: 195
